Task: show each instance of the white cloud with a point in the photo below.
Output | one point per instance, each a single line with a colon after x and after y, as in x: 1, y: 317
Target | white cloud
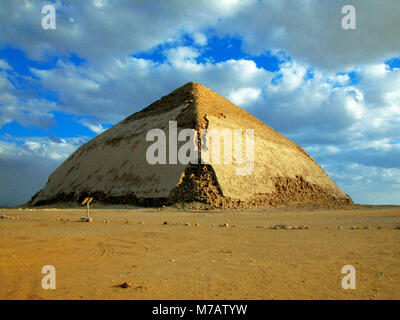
x: 93, y: 125
x: 103, y: 30
x: 4, y: 65
x: 365, y: 183
x: 313, y: 35
x: 244, y: 96
x: 22, y: 107
x: 311, y: 32
x: 200, y: 39
x: 25, y: 165
x: 125, y: 86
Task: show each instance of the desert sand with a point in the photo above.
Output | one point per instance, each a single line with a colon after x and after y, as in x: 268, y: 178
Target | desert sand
x: 210, y: 254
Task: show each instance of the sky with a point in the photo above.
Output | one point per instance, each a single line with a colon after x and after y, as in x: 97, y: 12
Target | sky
x: 333, y: 91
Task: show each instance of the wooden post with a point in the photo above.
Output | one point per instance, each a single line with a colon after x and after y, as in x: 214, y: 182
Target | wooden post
x: 87, y: 201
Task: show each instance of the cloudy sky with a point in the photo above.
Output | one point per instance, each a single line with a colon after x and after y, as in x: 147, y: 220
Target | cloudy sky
x: 335, y: 92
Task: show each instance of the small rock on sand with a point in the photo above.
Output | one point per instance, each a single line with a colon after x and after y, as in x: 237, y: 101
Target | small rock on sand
x: 142, y: 286
x: 126, y: 285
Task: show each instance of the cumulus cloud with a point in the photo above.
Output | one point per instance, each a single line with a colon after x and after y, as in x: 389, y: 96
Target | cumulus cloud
x: 26, y: 164
x: 4, y: 65
x: 103, y: 30
x: 244, y: 96
x: 365, y: 183
x: 311, y: 31
x: 127, y: 85
x: 22, y: 107
x: 200, y: 39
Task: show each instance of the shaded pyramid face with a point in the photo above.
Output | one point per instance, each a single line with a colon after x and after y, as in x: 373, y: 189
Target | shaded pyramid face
x: 114, y: 167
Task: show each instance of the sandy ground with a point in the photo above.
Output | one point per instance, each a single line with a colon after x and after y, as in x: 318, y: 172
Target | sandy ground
x: 178, y: 261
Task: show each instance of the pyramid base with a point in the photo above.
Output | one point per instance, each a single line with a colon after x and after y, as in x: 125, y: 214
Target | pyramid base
x: 289, y: 192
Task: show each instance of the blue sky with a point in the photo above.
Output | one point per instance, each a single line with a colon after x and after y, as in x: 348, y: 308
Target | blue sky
x: 335, y: 92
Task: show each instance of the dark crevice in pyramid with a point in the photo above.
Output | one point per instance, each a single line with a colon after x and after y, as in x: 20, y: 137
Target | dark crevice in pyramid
x: 113, y: 169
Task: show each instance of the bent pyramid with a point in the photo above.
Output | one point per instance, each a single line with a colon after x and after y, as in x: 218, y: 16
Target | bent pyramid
x: 113, y: 168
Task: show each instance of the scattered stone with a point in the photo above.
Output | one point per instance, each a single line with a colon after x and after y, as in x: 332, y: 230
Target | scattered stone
x: 142, y: 286
x: 225, y: 225
x: 379, y: 228
x: 85, y: 219
x: 213, y: 225
x: 197, y: 224
x: 397, y: 227
x: 340, y: 227
x: 127, y: 222
x: 367, y: 227
x: 126, y: 285
x: 141, y: 222
x: 279, y: 226
x: 106, y: 221
x: 164, y: 223
x: 187, y: 224
x: 3, y: 216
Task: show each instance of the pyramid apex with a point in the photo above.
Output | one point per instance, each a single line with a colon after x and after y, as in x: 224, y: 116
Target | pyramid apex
x: 193, y: 85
